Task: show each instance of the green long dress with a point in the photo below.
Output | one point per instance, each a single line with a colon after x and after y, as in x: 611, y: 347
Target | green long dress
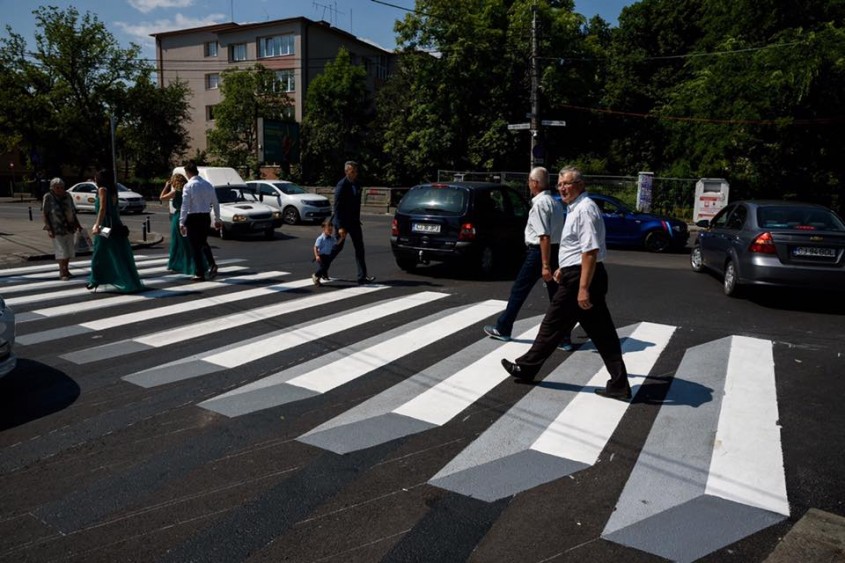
x: 112, y: 262
x: 181, y: 258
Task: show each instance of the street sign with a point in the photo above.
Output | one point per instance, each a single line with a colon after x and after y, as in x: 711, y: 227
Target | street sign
x: 515, y: 126
x: 553, y: 123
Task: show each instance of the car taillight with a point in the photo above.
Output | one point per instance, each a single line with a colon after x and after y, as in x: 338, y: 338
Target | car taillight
x: 467, y: 232
x: 394, y: 228
x: 763, y: 244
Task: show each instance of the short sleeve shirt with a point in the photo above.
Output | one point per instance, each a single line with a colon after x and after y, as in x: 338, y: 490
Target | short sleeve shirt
x: 544, y: 218
x: 583, y: 231
x: 325, y: 244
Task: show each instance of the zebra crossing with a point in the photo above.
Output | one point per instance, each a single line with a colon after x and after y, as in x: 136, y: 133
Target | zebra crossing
x: 711, y: 469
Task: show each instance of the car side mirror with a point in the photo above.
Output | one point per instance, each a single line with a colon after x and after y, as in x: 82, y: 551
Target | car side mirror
x: 704, y: 224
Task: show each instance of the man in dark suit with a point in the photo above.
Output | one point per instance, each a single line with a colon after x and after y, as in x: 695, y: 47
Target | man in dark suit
x: 347, y: 217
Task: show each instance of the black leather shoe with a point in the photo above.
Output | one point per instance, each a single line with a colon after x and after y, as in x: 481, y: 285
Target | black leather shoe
x: 618, y: 395
x: 365, y: 280
x: 516, y: 370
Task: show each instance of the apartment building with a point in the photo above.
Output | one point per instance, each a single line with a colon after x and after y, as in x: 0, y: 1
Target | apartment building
x: 298, y: 49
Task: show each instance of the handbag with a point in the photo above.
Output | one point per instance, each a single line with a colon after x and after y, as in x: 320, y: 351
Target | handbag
x: 120, y: 231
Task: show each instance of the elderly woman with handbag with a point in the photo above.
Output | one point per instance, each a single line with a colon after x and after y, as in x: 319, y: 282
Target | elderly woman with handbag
x: 112, y: 262
x: 61, y: 223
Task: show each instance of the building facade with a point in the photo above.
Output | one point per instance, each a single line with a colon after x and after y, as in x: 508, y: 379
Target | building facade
x: 297, y: 49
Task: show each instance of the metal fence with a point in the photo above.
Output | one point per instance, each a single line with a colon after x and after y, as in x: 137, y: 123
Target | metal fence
x: 670, y: 196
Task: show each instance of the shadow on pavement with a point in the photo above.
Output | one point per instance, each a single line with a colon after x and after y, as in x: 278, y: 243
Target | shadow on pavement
x: 34, y: 390
x: 805, y: 300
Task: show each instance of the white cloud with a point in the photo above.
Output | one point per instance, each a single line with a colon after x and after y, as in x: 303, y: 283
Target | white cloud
x: 140, y: 32
x: 146, y: 6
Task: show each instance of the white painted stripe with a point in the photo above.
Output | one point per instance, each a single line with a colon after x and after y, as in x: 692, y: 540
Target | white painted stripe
x: 747, y: 462
x: 228, y: 322
x: 10, y: 272
x: 206, y: 302
x: 583, y: 428
x: 267, y: 346
x: 351, y: 367
x: 447, y: 399
x: 124, y: 298
x: 54, y: 273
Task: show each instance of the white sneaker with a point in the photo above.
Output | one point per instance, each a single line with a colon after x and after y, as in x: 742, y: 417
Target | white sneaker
x: 316, y: 279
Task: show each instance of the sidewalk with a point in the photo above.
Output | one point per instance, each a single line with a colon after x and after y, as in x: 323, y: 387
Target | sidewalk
x: 22, y: 240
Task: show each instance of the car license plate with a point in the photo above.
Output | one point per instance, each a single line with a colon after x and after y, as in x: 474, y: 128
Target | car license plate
x: 814, y: 251
x: 261, y: 225
x: 425, y: 228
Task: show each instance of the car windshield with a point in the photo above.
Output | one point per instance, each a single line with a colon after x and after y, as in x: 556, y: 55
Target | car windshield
x: 801, y: 218
x: 289, y: 188
x: 434, y: 200
x: 122, y: 188
x: 228, y: 194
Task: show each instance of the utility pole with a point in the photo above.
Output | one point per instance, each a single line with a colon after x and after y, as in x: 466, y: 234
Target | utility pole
x: 535, y: 87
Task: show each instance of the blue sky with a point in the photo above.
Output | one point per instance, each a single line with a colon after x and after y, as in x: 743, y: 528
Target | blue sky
x: 134, y: 20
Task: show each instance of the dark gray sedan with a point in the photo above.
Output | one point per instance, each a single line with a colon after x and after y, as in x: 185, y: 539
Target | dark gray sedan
x: 774, y: 243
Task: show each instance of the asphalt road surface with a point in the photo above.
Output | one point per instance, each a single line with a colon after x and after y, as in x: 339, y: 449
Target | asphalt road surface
x: 259, y: 418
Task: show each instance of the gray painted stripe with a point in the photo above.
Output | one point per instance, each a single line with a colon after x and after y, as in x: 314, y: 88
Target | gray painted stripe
x: 247, y: 399
x: 664, y: 508
x: 366, y: 433
x: 695, y: 528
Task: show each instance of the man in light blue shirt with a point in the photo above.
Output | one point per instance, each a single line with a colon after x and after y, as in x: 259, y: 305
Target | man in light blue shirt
x: 198, y: 198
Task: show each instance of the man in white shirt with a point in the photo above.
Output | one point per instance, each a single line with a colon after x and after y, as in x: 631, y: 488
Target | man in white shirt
x: 542, y: 240
x: 582, y: 287
x: 198, y: 198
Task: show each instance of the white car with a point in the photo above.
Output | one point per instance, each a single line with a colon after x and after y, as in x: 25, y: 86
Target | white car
x: 295, y: 203
x: 84, y: 195
x: 241, y: 212
x: 8, y: 361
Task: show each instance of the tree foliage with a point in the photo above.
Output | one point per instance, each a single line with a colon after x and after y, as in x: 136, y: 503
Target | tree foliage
x: 246, y: 96
x: 56, y: 101
x: 337, y: 114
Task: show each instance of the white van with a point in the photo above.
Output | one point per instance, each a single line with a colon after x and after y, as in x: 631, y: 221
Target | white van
x: 241, y: 210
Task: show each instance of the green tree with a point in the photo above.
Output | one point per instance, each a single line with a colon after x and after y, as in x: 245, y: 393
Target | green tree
x: 56, y: 101
x: 247, y: 96
x: 337, y: 111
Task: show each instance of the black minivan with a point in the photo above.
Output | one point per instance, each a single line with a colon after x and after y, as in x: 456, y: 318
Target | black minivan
x: 478, y: 225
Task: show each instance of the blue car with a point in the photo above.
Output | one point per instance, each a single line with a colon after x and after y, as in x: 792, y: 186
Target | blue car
x: 629, y: 228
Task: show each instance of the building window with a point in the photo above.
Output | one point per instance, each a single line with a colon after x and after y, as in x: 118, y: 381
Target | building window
x: 212, y: 81
x: 237, y: 52
x: 211, y: 49
x: 275, y: 46
x: 209, y: 113
x: 286, y: 79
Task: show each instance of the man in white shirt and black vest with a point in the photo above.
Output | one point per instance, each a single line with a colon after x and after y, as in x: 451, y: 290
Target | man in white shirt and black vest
x: 582, y: 288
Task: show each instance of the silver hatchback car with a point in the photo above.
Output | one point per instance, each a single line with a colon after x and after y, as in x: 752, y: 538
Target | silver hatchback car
x: 773, y: 243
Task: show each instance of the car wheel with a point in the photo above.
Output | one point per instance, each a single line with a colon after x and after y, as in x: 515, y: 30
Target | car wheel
x: 269, y: 234
x: 486, y: 261
x: 407, y: 264
x: 731, y: 280
x: 695, y: 259
x: 291, y: 215
x: 657, y: 241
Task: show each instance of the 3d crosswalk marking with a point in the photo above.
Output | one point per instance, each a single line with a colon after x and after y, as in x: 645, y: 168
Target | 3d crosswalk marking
x: 560, y: 427
x: 143, y: 272
x: 341, y: 367
x: 30, y: 273
x: 184, y: 333
x: 114, y: 300
x: 163, y: 311
x: 253, y: 349
x: 711, y: 471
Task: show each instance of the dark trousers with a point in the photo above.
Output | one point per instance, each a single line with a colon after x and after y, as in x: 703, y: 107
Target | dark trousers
x: 357, y: 235
x: 531, y: 271
x: 197, y: 226
x: 564, y: 311
x: 323, y: 264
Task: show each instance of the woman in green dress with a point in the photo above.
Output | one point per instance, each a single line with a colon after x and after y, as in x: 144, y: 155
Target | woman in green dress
x: 112, y: 262
x: 181, y: 258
